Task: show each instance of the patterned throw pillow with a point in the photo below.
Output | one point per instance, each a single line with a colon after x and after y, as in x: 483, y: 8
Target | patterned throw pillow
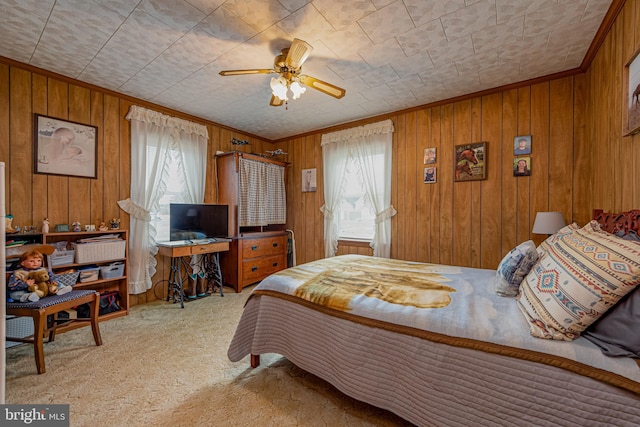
x: 544, y: 246
x: 582, y: 274
x: 513, y: 267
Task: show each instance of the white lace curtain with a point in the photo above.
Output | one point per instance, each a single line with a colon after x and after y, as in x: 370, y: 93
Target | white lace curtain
x: 155, y: 138
x: 363, y: 143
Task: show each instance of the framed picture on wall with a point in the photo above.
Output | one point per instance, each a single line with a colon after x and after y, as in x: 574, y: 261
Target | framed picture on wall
x: 429, y: 156
x: 522, y: 166
x: 631, y: 107
x: 430, y: 175
x: 309, y: 183
x: 470, y: 161
x: 62, y: 147
x: 522, y: 145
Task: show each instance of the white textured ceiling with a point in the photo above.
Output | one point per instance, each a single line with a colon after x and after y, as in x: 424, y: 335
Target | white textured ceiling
x: 389, y: 55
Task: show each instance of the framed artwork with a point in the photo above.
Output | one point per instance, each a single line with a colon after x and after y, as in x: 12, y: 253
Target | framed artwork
x: 66, y: 148
x: 631, y: 97
x: 429, y: 156
x: 522, y: 145
x: 430, y: 175
x: 522, y: 166
x: 308, y: 180
x: 470, y: 161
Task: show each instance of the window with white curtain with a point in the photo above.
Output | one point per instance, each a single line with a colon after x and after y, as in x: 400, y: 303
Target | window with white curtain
x: 168, y: 164
x: 357, y: 187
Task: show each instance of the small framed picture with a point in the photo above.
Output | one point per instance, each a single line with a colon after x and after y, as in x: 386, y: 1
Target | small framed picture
x: 429, y: 156
x: 308, y: 180
x: 522, y: 145
x: 430, y: 175
x: 522, y: 166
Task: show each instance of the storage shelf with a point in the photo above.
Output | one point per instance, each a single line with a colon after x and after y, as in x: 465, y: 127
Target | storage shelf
x: 120, y: 284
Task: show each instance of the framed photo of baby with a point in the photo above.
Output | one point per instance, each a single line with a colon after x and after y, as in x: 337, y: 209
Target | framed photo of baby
x: 62, y: 147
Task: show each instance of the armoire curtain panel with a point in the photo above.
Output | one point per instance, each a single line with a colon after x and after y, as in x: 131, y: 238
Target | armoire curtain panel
x: 262, y: 199
x: 364, y: 144
x: 155, y: 139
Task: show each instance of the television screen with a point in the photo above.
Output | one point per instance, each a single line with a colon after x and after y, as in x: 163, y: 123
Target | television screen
x: 190, y: 221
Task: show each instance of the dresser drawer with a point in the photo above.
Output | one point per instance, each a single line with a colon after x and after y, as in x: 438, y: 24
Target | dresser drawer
x: 265, y: 246
x: 257, y: 269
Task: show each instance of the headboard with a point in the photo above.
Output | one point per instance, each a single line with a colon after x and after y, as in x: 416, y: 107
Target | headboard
x: 616, y: 222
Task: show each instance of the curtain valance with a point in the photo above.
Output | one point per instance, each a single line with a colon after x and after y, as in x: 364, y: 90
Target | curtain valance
x: 153, y: 117
x: 378, y: 128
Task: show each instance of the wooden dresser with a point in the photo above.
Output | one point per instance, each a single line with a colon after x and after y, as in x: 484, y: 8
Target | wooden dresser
x: 254, y: 252
x: 252, y: 257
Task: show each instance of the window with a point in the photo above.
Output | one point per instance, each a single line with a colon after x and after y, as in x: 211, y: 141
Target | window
x: 355, y: 212
x: 357, y: 190
x: 175, y: 193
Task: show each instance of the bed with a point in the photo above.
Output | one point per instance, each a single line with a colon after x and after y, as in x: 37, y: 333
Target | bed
x: 439, y: 345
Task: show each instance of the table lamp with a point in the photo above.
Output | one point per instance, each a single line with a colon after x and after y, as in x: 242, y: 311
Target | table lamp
x: 548, y: 222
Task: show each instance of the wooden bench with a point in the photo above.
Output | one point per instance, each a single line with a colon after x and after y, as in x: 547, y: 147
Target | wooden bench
x: 52, y: 305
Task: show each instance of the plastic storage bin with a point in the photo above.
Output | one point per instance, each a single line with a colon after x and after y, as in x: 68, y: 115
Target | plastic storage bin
x: 112, y: 271
x: 60, y: 257
x: 88, y: 274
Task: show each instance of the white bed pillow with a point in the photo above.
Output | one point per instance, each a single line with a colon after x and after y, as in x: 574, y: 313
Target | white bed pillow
x: 514, y: 267
x: 579, y: 277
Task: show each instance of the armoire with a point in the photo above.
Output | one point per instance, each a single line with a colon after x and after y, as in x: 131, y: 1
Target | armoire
x: 253, y: 187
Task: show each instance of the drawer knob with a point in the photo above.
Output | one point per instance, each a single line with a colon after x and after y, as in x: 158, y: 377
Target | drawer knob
x: 275, y: 264
x: 253, y: 248
x: 254, y: 268
x: 275, y: 245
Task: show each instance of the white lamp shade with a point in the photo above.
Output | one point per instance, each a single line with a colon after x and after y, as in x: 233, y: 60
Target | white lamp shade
x: 548, y: 222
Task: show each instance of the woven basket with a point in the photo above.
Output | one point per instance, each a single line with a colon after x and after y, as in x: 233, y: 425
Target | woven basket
x: 96, y: 252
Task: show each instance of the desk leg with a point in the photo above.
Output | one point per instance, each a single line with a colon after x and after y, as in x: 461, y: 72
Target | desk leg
x: 175, y: 282
x: 214, y: 274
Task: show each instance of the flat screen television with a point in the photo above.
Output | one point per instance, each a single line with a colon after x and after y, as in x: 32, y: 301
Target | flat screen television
x: 189, y: 221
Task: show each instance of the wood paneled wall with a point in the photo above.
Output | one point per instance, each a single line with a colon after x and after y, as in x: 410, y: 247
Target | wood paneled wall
x: 31, y: 197
x: 461, y: 223
x: 613, y: 181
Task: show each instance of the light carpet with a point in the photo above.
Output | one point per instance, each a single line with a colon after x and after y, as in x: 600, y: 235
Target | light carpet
x: 167, y: 366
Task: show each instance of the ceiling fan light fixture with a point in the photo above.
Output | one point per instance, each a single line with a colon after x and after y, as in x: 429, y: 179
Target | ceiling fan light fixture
x: 297, y: 89
x: 279, y: 87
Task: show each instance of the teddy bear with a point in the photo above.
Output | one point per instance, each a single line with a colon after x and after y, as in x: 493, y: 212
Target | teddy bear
x: 42, y: 286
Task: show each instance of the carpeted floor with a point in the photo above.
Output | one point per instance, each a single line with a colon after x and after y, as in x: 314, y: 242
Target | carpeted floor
x: 166, y: 366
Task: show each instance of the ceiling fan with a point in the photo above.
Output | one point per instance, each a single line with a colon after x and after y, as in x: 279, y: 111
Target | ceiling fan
x: 289, y: 66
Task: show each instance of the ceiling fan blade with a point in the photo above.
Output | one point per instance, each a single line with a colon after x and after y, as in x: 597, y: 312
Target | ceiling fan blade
x: 298, y: 53
x: 328, y: 88
x: 275, y: 101
x: 241, y: 72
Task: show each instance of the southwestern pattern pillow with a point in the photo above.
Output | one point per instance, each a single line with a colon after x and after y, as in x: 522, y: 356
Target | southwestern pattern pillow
x: 513, y: 267
x: 581, y: 275
x: 544, y: 246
